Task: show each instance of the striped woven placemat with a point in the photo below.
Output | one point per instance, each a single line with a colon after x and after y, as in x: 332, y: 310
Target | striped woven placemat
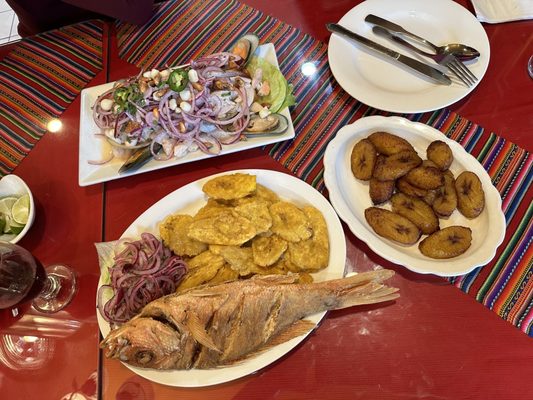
x: 183, y: 30
x: 39, y: 78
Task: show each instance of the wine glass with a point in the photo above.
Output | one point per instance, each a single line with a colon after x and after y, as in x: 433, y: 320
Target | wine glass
x: 22, y: 278
x: 530, y: 67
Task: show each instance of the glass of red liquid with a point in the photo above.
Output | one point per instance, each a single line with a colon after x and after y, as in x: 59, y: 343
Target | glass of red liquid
x: 23, y: 278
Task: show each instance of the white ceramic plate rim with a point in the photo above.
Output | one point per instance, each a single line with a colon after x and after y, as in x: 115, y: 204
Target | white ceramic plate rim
x: 188, y: 199
x: 90, y: 148
x: 350, y: 198
x: 381, y: 83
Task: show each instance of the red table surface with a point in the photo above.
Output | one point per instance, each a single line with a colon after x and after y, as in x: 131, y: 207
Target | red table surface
x: 433, y: 342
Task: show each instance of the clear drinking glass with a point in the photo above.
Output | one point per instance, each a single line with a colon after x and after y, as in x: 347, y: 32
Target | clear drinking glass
x: 23, y: 278
x: 530, y: 67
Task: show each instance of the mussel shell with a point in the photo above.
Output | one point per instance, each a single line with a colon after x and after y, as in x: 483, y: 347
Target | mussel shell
x: 250, y: 42
x: 279, y: 129
x: 138, y: 158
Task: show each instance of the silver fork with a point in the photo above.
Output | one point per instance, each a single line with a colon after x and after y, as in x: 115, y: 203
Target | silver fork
x: 449, y: 61
x: 458, y: 69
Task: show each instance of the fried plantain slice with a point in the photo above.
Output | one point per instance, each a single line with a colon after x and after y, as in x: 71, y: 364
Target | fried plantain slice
x: 388, y: 143
x: 417, y: 211
x: 440, y: 153
x: 380, y: 191
x: 425, y: 177
x: 266, y: 194
x: 240, y: 259
x: 363, y: 159
x: 211, y: 209
x: 289, y: 222
x: 205, y: 259
x: 229, y: 187
x: 392, y: 226
x: 470, y: 194
x: 394, y: 166
x: 226, y: 228
x: 446, y: 197
x: 312, y: 254
x: 267, y: 250
x: 257, y: 212
x: 405, y: 187
x: 447, y: 243
x: 173, y: 231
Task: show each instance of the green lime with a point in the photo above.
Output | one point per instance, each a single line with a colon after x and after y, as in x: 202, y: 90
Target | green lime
x: 2, y: 222
x: 21, y: 210
x: 6, y: 204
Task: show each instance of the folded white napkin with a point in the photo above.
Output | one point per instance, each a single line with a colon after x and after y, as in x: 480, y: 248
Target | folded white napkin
x: 494, y: 11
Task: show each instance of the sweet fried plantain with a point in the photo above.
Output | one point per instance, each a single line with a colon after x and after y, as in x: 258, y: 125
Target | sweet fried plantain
x: 394, y: 166
x: 380, y: 191
x: 470, y: 194
x: 417, y: 211
x: 392, y: 225
x: 430, y: 196
x: 446, y: 196
x: 388, y: 144
x: 440, y: 153
x: 446, y: 243
x: 425, y: 177
x: 405, y: 187
x: 363, y: 159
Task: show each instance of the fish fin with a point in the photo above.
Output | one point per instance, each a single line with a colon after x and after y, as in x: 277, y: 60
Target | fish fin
x: 198, y: 332
x: 369, y: 293
x: 275, y: 279
x: 299, y: 328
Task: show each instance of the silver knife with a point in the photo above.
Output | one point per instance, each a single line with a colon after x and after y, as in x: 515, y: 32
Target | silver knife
x: 416, y: 65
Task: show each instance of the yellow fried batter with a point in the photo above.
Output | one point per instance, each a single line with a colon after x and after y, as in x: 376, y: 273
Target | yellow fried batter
x: 229, y: 187
x: 289, y: 222
x: 173, y: 231
x: 227, y: 228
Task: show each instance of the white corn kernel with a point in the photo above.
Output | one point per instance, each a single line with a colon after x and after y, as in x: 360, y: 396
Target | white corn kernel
x: 147, y: 74
x: 193, y: 75
x: 172, y: 104
x: 165, y: 74
x: 106, y: 104
x: 185, y: 106
x: 185, y: 94
x: 154, y: 73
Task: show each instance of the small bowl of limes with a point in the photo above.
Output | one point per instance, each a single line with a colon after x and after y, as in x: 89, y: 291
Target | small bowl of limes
x: 17, y: 210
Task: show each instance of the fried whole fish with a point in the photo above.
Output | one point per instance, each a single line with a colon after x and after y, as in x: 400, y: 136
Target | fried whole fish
x: 212, y: 326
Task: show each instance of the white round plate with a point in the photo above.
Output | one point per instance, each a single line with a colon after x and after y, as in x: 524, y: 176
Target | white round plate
x: 350, y: 198
x: 381, y: 83
x: 189, y: 199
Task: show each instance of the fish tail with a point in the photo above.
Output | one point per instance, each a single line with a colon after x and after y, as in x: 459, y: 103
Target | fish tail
x: 363, y: 288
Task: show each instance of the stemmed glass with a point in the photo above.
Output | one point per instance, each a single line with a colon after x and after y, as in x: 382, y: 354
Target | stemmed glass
x: 22, y: 278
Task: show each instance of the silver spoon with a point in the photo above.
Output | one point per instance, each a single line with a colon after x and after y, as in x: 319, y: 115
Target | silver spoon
x: 460, y: 51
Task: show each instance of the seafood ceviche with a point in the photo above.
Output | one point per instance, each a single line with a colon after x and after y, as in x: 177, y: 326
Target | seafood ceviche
x: 215, y: 100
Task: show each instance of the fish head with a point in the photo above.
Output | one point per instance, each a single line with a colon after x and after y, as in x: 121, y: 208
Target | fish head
x: 144, y: 342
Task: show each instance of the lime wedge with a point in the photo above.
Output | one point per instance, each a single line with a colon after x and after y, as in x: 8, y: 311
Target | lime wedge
x: 6, y: 204
x: 21, y: 210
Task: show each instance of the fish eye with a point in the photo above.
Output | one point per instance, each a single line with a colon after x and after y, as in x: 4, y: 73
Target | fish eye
x: 144, y: 357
